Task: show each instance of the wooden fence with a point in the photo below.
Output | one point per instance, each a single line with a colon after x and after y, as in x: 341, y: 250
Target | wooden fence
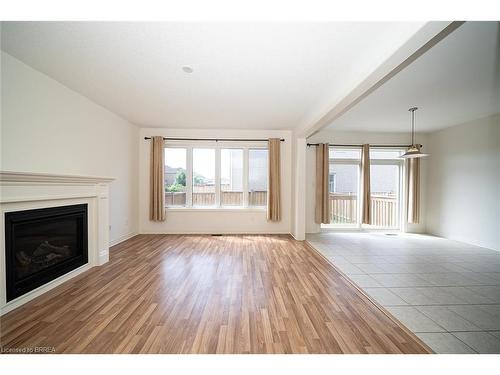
x: 175, y: 199
x: 344, y: 209
x: 228, y: 198
x: 257, y: 198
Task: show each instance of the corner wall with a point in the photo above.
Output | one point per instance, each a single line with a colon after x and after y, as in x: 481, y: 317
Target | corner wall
x: 464, y: 183
x: 48, y: 128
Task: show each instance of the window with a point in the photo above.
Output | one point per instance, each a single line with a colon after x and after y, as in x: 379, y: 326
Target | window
x: 345, y: 153
x: 218, y: 175
x: 175, y: 177
x: 344, y: 186
x: 385, y: 168
x: 332, y: 182
x: 257, y: 177
x: 231, y: 177
x: 394, y: 154
x: 344, y: 183
x: 203, y: 177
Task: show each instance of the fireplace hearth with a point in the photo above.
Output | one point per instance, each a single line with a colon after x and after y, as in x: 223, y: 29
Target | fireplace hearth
x: 42, y: 245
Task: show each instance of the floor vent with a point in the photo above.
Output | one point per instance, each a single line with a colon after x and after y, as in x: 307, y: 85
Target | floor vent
x: 391, y: 234
x: 216, y: 235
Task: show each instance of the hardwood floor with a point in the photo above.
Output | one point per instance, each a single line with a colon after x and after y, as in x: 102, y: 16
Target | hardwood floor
x: 203, y: 294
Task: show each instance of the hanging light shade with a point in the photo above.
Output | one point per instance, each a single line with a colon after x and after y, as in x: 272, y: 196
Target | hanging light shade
x: 414, y: 150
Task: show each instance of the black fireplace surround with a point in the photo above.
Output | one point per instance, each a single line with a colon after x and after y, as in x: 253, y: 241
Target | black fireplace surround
x: 43, y: 244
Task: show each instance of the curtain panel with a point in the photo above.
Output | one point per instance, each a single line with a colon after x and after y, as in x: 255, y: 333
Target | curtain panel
x: 413, y: 191
x: 157, y: 180
x: 322, y: 210
x: 365, y: 185
x: 274, y: 194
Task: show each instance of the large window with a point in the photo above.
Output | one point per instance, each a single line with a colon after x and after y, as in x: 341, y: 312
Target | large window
x: 344, y: 186
x: 344, y: 183
x: 257, y: 177
x: 231, y: 177
x: 385, y: 168
x: 203, y: 177
x: 175, y: 177
x: 219, y: 175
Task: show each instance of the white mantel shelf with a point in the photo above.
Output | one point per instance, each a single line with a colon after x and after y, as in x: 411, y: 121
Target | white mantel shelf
x: 10, y: 176
x: 31, y: 190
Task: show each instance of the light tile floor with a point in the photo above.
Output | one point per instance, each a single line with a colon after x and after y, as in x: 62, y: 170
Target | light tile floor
x: 446, y: 292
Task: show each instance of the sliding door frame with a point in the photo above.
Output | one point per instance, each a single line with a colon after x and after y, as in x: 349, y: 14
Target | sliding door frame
x: 347, y: 161
x: 401, y: 195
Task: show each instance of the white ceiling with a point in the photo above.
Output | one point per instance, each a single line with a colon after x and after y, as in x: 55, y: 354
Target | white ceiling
x: 456, y: 81
x: 246, y: 75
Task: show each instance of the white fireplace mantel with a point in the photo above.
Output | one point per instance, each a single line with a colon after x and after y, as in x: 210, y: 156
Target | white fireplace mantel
x: 28, y: 190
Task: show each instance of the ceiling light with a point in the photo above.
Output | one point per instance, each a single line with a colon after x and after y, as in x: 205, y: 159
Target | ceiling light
x: 414, y: 150
x: 187, y: 69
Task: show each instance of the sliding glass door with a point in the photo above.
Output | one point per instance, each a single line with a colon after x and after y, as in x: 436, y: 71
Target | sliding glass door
x: 344, y: 187
x: 385, y: 186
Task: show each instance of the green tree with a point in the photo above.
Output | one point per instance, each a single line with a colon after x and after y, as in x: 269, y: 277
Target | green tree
x: 199, y: 180
x: 180, y: 178
x: 174, y: 188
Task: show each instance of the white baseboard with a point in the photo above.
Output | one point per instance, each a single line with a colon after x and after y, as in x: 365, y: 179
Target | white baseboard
x: 295, y: 238
x: 214, y: 232
x: 120, y: 239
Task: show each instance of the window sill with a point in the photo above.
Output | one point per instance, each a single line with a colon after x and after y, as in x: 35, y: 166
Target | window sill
x: 217, y: 209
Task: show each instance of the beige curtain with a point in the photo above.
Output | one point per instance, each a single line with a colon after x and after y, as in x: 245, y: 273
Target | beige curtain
x: 274, y: 193
x: 365, y: 185
x: 322, y: 213
x: 157, y: 181
x: 414, y: 191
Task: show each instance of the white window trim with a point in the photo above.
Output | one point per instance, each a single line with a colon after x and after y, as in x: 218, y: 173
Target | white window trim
x: 218, y: 146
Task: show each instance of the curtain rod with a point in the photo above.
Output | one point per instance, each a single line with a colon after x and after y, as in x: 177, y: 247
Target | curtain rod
x: 215, y: 139
x: 377, y: 146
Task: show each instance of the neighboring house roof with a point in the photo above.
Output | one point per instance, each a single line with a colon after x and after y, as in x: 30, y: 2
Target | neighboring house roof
x: 171, y: 170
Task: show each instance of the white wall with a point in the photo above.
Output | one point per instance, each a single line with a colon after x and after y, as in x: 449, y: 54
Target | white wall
x: 49, y: 128
x: 215, y: 220
x: 343, y: 137
x: 464, y: 183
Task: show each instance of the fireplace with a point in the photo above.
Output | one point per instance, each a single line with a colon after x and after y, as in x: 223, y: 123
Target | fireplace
x: 42, y: 245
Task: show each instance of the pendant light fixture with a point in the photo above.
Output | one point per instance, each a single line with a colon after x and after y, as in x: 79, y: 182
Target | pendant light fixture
x: 414, y: 150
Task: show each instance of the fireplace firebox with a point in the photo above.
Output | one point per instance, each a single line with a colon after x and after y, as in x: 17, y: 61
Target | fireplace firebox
x: 42, y: 245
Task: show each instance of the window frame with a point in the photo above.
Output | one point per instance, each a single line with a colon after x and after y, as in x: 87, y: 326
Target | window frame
x: 218, y: 146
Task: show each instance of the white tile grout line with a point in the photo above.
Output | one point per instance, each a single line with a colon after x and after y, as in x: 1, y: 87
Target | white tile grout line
x: 488, y: 332
x: 458, y: 338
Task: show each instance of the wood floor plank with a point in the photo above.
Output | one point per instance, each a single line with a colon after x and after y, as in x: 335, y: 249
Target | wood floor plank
x: 204, y: 294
